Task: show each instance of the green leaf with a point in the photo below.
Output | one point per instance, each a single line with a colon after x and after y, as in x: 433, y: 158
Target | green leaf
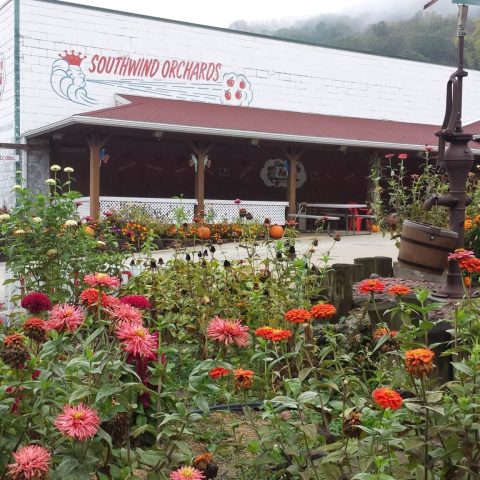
x: 107, y: 391
x: 79, y: 393
x: 461, y: 367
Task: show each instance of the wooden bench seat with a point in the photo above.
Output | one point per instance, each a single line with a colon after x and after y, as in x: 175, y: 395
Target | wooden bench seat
x: 317, y: 217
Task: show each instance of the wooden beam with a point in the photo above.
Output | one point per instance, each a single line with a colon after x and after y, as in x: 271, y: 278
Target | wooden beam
x: 292, y: 156
x: 200, y: 150
x: 95, y: 143
x: 15, y: 146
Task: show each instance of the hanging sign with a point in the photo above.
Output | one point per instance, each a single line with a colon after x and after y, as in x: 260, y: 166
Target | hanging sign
x: 467, y: 2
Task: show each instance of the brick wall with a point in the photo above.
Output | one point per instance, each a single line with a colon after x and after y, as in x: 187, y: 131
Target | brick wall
x: 282, y: 75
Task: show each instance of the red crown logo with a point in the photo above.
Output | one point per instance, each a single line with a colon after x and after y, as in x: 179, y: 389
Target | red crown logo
x: 73, y: 58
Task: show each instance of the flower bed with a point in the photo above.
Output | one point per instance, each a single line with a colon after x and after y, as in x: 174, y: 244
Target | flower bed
x: 113, y: 381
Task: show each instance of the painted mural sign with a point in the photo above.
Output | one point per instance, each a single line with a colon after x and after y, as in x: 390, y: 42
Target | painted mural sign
x: 3, y: 75
x: 74, y: 77
x: 275, y: 173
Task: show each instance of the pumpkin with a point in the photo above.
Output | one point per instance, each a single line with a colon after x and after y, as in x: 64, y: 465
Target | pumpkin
x: 203, y: 233
x: 275, y: 232
x: 375, y: 228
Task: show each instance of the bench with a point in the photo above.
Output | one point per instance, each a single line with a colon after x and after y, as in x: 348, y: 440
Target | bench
x: 320, y: 218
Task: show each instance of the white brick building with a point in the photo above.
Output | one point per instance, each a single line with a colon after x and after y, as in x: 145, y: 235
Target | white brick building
x: 59, y: 60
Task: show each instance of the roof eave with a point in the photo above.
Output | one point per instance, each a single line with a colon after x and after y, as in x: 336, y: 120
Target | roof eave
x: 192, y: 129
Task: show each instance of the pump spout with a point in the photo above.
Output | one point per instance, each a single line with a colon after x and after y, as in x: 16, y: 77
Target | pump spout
x: 445, y: 201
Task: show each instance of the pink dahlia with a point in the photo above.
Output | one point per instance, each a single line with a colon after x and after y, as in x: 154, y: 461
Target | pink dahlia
x: 101, y: 280
x: 79, y: 422
x: 137, y: 301
x: 137, y: 340
x: 65, y: 318
x: 228, y: 331
x: 187, y: 473
x: 31, y: 463
x: 36, y: 302
x: 120, y: 313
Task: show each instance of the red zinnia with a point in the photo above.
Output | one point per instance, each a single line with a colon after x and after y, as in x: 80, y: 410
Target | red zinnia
x: 470, y: 264
x: 279, y: 334
x: 137, y: 301
x: 228, y: 331
x: 137, y: 340
x: 399, y: 290
x: 31, y: 463
x: 90, y: 296
x: 217, y: 372
x: 79, y: 422
x: 36, y: 302
x: 65, y: 318
x: 371, y: 286
x: 386, y: 397
x: 298, y: 315
x: 323, y: 311
x: 101, y: 280
x: 263, y: 332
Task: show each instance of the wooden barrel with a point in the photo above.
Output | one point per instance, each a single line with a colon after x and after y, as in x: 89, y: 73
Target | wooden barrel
x: 425, y: 247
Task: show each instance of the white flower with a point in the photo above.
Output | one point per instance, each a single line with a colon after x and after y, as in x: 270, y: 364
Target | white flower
x: 101, y: 244
x: 36, y: 220
x: 16, y: 187
x: 4, y: 216
x: 70, y: 223
x: 55, y: 168
x: 68, y: 169
x: 19, y: 232
x: 50, y: 181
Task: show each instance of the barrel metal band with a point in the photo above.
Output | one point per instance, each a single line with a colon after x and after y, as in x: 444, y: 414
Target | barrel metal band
x: 423, y: 244
x: 421, y: 266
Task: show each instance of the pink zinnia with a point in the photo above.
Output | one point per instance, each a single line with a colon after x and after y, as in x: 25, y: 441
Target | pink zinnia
x: 120, y: 313
x: 101, y: 280
x: 79, y: 422
x: 137, y: 301
x: 187, y: 473
x: 31, y: 463
x: 228, y: 331
x: 137, y: 340
x: 460, y: 254
x: 36, y: 302
x: 65, y: 318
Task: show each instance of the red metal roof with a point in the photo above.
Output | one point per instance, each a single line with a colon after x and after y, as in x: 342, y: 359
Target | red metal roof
x: 276, y: 122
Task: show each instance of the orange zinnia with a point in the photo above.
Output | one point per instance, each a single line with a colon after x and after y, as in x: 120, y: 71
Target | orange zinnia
x: 371, y: 286
x: 323, y: 311
x: 419, y: 362
x: 381, y: 332
x: 263, y: 332
x: 386, y: 397
x: 467, y: 281
x: 399, y: 290
x: 243, y: 378
x: 298, y: 315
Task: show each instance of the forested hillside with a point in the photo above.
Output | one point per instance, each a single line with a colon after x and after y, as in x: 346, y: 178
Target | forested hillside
x: 428, y: 37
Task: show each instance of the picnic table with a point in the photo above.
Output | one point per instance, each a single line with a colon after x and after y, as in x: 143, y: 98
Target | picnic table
x: 331, y: 213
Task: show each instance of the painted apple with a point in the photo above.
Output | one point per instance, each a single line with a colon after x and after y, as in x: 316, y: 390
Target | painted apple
x: 231, y: 82
x: 238, y: 94
x: 242, y: 84
x: 228, y: 95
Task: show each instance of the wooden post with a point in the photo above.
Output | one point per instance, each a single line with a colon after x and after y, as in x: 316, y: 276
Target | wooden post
x: 200, y: 151
x: 341, y: 287
x: 95, y: 144
x: 292, y: 156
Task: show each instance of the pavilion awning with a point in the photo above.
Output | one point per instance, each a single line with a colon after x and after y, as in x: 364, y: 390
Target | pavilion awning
x: 147, y: 113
